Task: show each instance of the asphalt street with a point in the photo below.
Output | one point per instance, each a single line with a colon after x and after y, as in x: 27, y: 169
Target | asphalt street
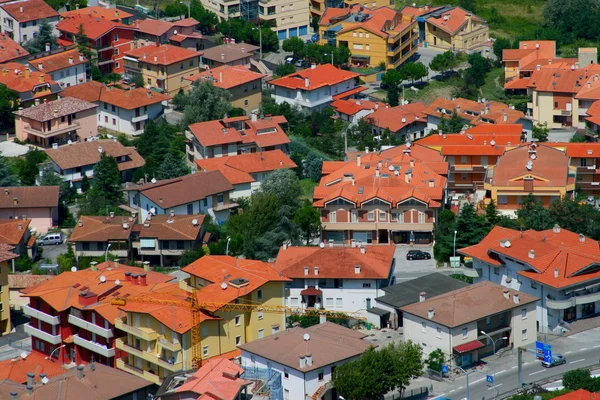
x: 507, y: 379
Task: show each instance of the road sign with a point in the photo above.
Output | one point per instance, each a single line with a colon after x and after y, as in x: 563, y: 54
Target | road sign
x: 455, y: 262
x: 489, y: 378
x: 445, y: 369
x: 543, y: 351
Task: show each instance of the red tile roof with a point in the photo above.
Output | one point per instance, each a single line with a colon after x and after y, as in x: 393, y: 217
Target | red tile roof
x: 217, y: 378
x: 101, y: 229
x: 452, y: 20
x: 578, y: 150
x: 5, y: 252
x: 176, y: 227
x: 468, y: 347
x: 88, y: 153
x: 238, y: 169
x: 16, y: 77
x: 563, y: 80
x: 153, y: 27
x: 349, y: 93
x: 353, y: 106
x: 10, y: 50
x: 335, y: 262
x: 55, y: 109
x: 227, y: 76
x: 29, y: 197
x: 580, y: 394
x: 186, y: 22
x: 321, y: 75
x: 396, y: 118
x: 29, y: 10
x: 16, y: 369
x: 95, y: 27
x: 57, y: 61
x: 93, y: 91
x: 165, y: 54
x: 473, y: 112
x: 384, y: 21
x: 12, y: 231
x: 26, y: 281
x: 110, y: 14
x: 418, y: 11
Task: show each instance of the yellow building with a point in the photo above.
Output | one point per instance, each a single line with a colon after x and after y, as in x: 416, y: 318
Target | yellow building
x: 317, y: 7
x: 5, y: 256
x: 373, y: 36
x: 291, y: 18
x: 159, y: 339
x: 164, y: 67
x: 456, y: 29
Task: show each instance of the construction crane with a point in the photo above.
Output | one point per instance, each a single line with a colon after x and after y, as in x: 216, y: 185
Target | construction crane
x: 198, y: 308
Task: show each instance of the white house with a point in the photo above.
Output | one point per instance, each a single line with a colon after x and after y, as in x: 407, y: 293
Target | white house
x: 472, y: 322
x: 336, y: 278
x: 305, y: 358
x: 124, y: 111
x: 313, y: 88
x: 21, y: 19
x: 66, y: 66
x: 557, y: 266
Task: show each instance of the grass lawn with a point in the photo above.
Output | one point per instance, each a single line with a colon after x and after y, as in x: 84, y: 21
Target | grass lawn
x: 307, y: 186
x: 493, y: 90
x: 432, y: 90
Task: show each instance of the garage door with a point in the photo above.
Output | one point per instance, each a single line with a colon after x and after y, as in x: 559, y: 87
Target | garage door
x: 303, y: 30
x: 281, y: 35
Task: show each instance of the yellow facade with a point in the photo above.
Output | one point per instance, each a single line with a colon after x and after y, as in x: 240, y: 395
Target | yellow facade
x: 287, y: 17
x: 317, y: 7
x: 468, y: 38
x: 247, y: 96
x: 4, y: 299
x: 169, y: 78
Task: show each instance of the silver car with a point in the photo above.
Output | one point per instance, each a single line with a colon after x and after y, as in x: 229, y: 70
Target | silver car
x: 557, y: 359
x: 50, y: 239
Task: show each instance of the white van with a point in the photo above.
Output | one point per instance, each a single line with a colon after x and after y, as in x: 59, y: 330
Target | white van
x: 51, y: 238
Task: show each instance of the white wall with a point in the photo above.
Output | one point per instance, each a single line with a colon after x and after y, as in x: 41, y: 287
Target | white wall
x: 68, y: 76
x: 313, y: 99
x: 122, y: 117
x: 25, y: 31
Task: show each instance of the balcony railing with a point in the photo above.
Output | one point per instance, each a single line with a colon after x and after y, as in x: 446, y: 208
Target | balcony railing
x: 93, y: 346
x: 121, y: 345
x: 123, y: 365
x: 572, y: 301
x: 66, y: 129
x: 139, y: 118
x: 172, y: 346
x: 42, y: 316
x: 91, y: 327
x: 45, y: 336
x: 143, y: 333
x: 155, y: 359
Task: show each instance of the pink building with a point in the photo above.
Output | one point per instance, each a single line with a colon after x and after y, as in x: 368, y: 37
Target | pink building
x: 56, y: 122
x: 37, y: 203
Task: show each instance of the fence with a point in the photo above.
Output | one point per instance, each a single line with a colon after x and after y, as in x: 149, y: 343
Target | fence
x: 266, y: 382
x: 412, y: 394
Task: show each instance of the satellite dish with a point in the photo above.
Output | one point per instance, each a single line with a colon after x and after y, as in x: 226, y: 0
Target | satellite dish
x: 507, y: 244
x: 493, y: 142
x: 224, y: 285
x: 408, y: 144
x: 322, y: 245
x: 24, y: 355
x: 73, y: 269
x: 102, y: 279
x: 195, y: 222
x: 153, y: 180
x: 117, y: 282
x: 306, y: 336
x: 391, y: 168
x: 153, y: 211
x: 403, y: 120
x: 45, y: 380
x: 533, y: 157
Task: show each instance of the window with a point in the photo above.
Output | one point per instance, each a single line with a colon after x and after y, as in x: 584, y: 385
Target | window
x: 366, y: 285
x: 523, y: 313
x: 24, y: 38
x: 181, y: 66
x: 116, y: 52
x: 260, y: 314
x: 220, y: 198
x: 371, y: 216
x: 533, y: 285
x: 496, y: 272
x: 259, y: 294
x: 246, y: 102
x: 321, y: 375
x: 524, y: 334
x: 204, y: 351
x: 114, y: 121
x: 502, y: 200
x: 191, y: 63
x: 106, y: 119
x: 333, y: 216
x: 261, y: 333
x: 286, y: 373
x: 464, y: 333
x: 238, y: 340
x: 339, y: 302
x: 86, y: 246
x: 438, y: 333
x: 421, y: 217
x: 423, y: 327
x: 238, y: 320
x: 354, y: 216
x: 105, y: 106
x: 357, y: 46
x: 368, y: 47
x: 116, y: 37
x: 306, y: 269
x: 382, y: 216
x: 205, y: 331
x: 329, y: 302
x: 488, y: 320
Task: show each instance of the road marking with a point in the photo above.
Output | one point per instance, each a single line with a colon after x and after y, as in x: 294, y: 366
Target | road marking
x: 460, y: 387
x: 537, y: 372
x: 598, y: 345
x: 513, y: 367
x: 585, y: 348
x: 568, y: 352
x: 499, y: 372
x: 576, y: 361
x: 452, y: 391
x: 494, y: 387
x: 482, y: 379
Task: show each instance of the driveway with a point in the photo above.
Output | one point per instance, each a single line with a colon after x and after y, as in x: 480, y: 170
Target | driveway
x: 406, y: 270
x: 560, y: 135
x: 52, y: 251
x: 425, y: 55
x: 173, y: 117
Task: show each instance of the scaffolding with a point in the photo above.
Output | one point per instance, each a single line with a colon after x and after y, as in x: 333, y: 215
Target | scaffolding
x: 267, y: 382
x: 249, y: 10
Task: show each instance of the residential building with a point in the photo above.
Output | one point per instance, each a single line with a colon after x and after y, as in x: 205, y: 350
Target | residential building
x: 57, y: 122
x: 353, y: 110
x: 389, y: 197
x: 520, y: 63
x: 162, y: 239
x: 95, y: 236
x: 200, y: 193
x: 16, y: 233
x: 235, y: 136
x: 292, y: 19
x: 230, y: 54
x: 386, y: 312
x: 179, y: 33
x: 541, y: 170
x: 456, y: 29
x: 186, y: 35
x: 37, y: 203
x: 556, y: 266
x: 94, y: 381
x: 6, y: 255
x: 592, y: 121
x: 32, y: 87
x: 21, y: 19
x: 374, y: 36
x: 160, y: 329
x: 11, y: 51
x: 317, y: 7
x: 217, y: 378
x: 247, y: 172
x: 74, y: 161
x: 305, y: 365
x: 16, y: 369
x: 407, y: 122
x: 123, y: 111
x: 19, y: 282
x: 65, y: 66
x: 584, y: 158
x: 245, y: 86
x: 163, y: 66
x: 469, y: 323
x: 335, y: 278
x: 72, y: 318
x: 109, y: 14
x: 109, y: 40
x: 313, y: 89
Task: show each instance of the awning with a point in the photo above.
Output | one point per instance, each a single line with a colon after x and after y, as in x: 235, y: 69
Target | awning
x: 468, y: 347
x: 311, y: 291
x: 378, y: 311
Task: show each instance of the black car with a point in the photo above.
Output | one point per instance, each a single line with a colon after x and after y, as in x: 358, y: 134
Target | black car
x: 418, y: 255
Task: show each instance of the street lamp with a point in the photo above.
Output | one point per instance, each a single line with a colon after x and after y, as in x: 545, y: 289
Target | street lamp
x: 493, y: 341
x: 259, y: 39
x: 227, y: 248
x: 59, y: 347
x: 106, y: 252
x: 189, y: 6
x: 327, y: 54
x: 455, y: 232
x: 467, y: 374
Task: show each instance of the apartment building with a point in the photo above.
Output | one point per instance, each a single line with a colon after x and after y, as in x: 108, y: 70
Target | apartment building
x: 66, y: 66
x: 376, y: 36
x: 245, y: 86
x: 291, y: 18
x: 389, y: 197
x: 123, y: 111
x: 313, y: 89
x: 231, y: 54
x: 247, y: 172
x: 72, y: 319
x: 6, y: 255
x: 592, y: 121
x: 32, y: 87
x: 12, y: 51
x: 463, y: 323
x: 520, y: 63
x: 407, y: 122
x: 181, y: 33
x: 37, y: 203
x: 75, y: 160
x: 318, y: 7
x: 540, y: 170
x: 163, y: 66
x: 235, y: 136
x: 456, y: 29
x: 159, y: 339
x: 200, y: 193
x: 109, y: 40
x: 21, y: 19
x: 335, y: 278
x: 56, y: 122
x: 556, y: 266
x: 109, y: 14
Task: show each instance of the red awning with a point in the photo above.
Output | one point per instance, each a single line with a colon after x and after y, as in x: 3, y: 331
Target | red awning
x: 311, y: 291
x: 467, y: 347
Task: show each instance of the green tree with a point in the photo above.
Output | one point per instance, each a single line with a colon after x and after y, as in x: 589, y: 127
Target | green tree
x: 491, y: 213
x: 308, y: 221
x: 237, y: 112
x: 50, y: 177
x: 393, y: 79
x: 476, y: 73
x: 435, y: 360
x: 313, y: 166
x: 9, y: 102
x: 7, y: 178
x: 500, y: 44
x: 191, y: 255
x: 540, y: 132
x: 97, y: 74
x: 573, y: 18
x: 577, y: 379
x: 283, y: 69
x: 470, y: 227
x: 444, y: 235
x: 173, y: 166
x: 205, y: 102
x: 67, y: 260
x: 105, y: 193
x: 85, y: 184
x: 414, y: 71
x: 82, y: 42
x: 361, y: 136
x: 454, y: 124
x: 44, y: 35
x: 176, y: 9
x: 26, y: 167
x: 294, y: 45
x: 443, y: 62
x: 207, y: 19
x: 533, y: 215
x: 138, y: 80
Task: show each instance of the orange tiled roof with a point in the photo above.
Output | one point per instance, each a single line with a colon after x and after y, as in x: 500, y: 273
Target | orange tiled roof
x: 353, y: 106
x: 110, y: 14
x: 452, y: 20
x: 167, y: 227
x: 165, y: 54
x: 58, y: 61
x: 153, y: 27
x: 5, y: 252
x: 474, y: 112
x: 95, y: 27
x: 93, y: 91
x: 238, y: 169
x: 580, y: 394
x: 10, y: 50
x: 227, y: 76
x: 29, y: 10
x: 578, y: 150
x: 15, y: 77
x: 319, y: 76
x: 418, y: 11
x: 88, y: 153
x: 29, y: 197
x: 396, y: 118
x: 217, y: 378
x: 186, y: 22
x: 334, y: 13
x: 563, y: 80
x: 481, y: 139
x: 383, y: 21
x: 16, y: 369
x: 101, y: 229
x: 13, y: 230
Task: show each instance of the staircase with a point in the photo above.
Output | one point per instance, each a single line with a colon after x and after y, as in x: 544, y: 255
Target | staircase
x: 261, y: 67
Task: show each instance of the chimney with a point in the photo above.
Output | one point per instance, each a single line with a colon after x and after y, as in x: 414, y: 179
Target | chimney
x: 555, y: 272
x: 469, y: 22
x: 432, y: 183
x: 358, y: 160
x: 30, y: 379
x: 322, y: 318
x: 40, y: 66
x: 430, y: 313
x: 42, y: 376
x: 70, y: 60
x: 357, y: 268
x: 412, y: 162
x: 27, y: 72
x: 505, y: 117
x: 516, y: 298
x: 134, y: 279
x: 556, y: 228
x: 306, y: 82
x: 47, y: 46
x: 20, y: 226
x: 377, y: 171
x: 363, y: 250
x: 15, y: 201
x: 422, y: 296
x: 128, y: 276
x: 254, y: 117
x: 407, y: 177
x: 94, y: 266
x: 313, y: 66
x: 532, y: 254
x: 380, y: 164
x: 80, y: 374
x: 302, y: 361
x: 222, y: 56
x: 309, y: 359
x: 29, y: 387
x: 14, y: 395
x: 506, y: 294
x: 538, y: 67
x: 112, y: 214
x: 581, y: 237
x: 155, y: 59
x: 142, y: 280
x: 21, y: 8
x: 42, y: 78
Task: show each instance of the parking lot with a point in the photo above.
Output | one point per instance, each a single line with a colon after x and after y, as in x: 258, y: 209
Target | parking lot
x: 406, y: 270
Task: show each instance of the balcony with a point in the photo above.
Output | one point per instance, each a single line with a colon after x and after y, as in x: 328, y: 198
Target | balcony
x: 93, y: 346
x: 572, y: 301
x: 123, y: 365
x: 121, y: 345
x: 156, y: 359
x: 42, y: 316
x: 88, y: 326
x: 66, y: 129
x: 587, y: 170
x: 565, y: 113
x: 171, y: 346
x: 45, y: 336
x: 143, y: 333
x: 139, y: 118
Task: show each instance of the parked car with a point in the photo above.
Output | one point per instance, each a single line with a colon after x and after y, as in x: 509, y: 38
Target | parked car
x: 557, y: 359
x: 289, y: 60
x: 315, y: 37
x: 50, y: 239
x: 299, y: 63
x: 418, y: 255
x: 591, y: 200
